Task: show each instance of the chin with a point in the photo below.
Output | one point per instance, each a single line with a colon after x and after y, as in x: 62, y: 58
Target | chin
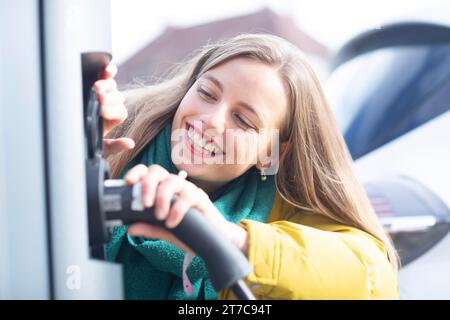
x: 195, y: 170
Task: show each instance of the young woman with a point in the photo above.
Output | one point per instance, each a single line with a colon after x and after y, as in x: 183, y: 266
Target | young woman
x: 307, y: 228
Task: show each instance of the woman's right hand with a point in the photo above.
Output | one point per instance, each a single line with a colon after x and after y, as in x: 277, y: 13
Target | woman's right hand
x: 113, y: 111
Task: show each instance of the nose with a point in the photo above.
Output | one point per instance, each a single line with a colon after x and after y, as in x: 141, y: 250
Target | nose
x: 216, y: 118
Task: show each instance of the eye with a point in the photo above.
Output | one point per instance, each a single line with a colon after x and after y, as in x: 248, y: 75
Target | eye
x: 243, y: 121
x: 205, y: 94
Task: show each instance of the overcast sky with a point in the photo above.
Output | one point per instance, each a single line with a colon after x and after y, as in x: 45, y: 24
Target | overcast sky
x: 137, y: 22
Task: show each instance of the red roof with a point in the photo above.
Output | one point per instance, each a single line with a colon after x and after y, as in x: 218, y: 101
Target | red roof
x: 175, y: 44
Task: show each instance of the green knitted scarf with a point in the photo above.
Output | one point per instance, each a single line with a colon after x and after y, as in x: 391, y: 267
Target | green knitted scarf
x: 153, y: 267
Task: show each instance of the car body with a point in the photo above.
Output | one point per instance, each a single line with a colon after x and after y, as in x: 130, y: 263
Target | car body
x: 390, y: 92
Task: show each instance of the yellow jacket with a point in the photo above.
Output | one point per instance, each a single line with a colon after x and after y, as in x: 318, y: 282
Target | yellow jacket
x: 305, y: 256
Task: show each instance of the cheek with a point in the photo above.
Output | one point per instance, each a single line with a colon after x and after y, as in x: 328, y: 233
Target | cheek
x: 191, y: 103
x: 187, y: 108
x: 183, y: 108
x: 244, y: 146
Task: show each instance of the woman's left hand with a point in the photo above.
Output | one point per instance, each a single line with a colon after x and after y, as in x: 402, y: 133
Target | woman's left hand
x: 113, y: 111
x: 158, y: 187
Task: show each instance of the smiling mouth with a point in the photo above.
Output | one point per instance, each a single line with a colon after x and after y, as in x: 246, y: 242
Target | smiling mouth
x: 199, y: 145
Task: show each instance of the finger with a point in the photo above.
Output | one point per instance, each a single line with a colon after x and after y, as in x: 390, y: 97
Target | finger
x: 147, y: 231
x: 112, y: 116
x: 166, y: 189
x: 193, y: 197
x: 155, y: 232
x: 111, y: 97
x: 113, y: 146
x: 108, y: 125
x: 105, y: 85
x: 155, y: 174
x: 135, y: 174
x: 113, y: 121
x: 198, y: 197
x: 178, y: 211
x: 110, y: 71
x: 114, y: 112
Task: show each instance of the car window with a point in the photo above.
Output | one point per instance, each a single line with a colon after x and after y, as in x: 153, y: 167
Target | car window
x: 383, y: 94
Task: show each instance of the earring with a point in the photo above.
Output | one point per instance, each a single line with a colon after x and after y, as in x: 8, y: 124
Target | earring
x: 263, y: 175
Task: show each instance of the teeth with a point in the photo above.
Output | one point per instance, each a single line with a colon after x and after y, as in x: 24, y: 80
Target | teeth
x: 209, y: 148
x: 196, y: 138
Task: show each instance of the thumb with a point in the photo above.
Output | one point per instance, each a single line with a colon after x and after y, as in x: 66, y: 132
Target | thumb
x: 113, y: 146
x: 155, y: 232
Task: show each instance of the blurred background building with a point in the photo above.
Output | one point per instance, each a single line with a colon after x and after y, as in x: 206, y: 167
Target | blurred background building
x: 175, y: 44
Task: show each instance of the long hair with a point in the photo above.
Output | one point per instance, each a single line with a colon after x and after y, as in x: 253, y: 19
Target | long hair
x: 315, y: 171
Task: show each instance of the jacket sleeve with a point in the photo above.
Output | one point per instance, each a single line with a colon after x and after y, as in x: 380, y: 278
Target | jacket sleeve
x: 296, y: 261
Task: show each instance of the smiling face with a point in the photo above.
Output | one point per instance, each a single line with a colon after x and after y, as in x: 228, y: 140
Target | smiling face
x: 223, y: 116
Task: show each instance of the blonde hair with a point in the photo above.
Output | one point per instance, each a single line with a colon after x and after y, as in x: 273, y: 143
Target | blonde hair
x: 315, y: 171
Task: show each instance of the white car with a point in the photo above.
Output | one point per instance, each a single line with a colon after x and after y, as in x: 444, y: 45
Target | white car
x: 390, y: 91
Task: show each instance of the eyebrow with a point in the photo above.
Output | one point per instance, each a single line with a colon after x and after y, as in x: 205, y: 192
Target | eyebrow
x: 214, y: 80
x: 252, y: 110
x: 243, y: 104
